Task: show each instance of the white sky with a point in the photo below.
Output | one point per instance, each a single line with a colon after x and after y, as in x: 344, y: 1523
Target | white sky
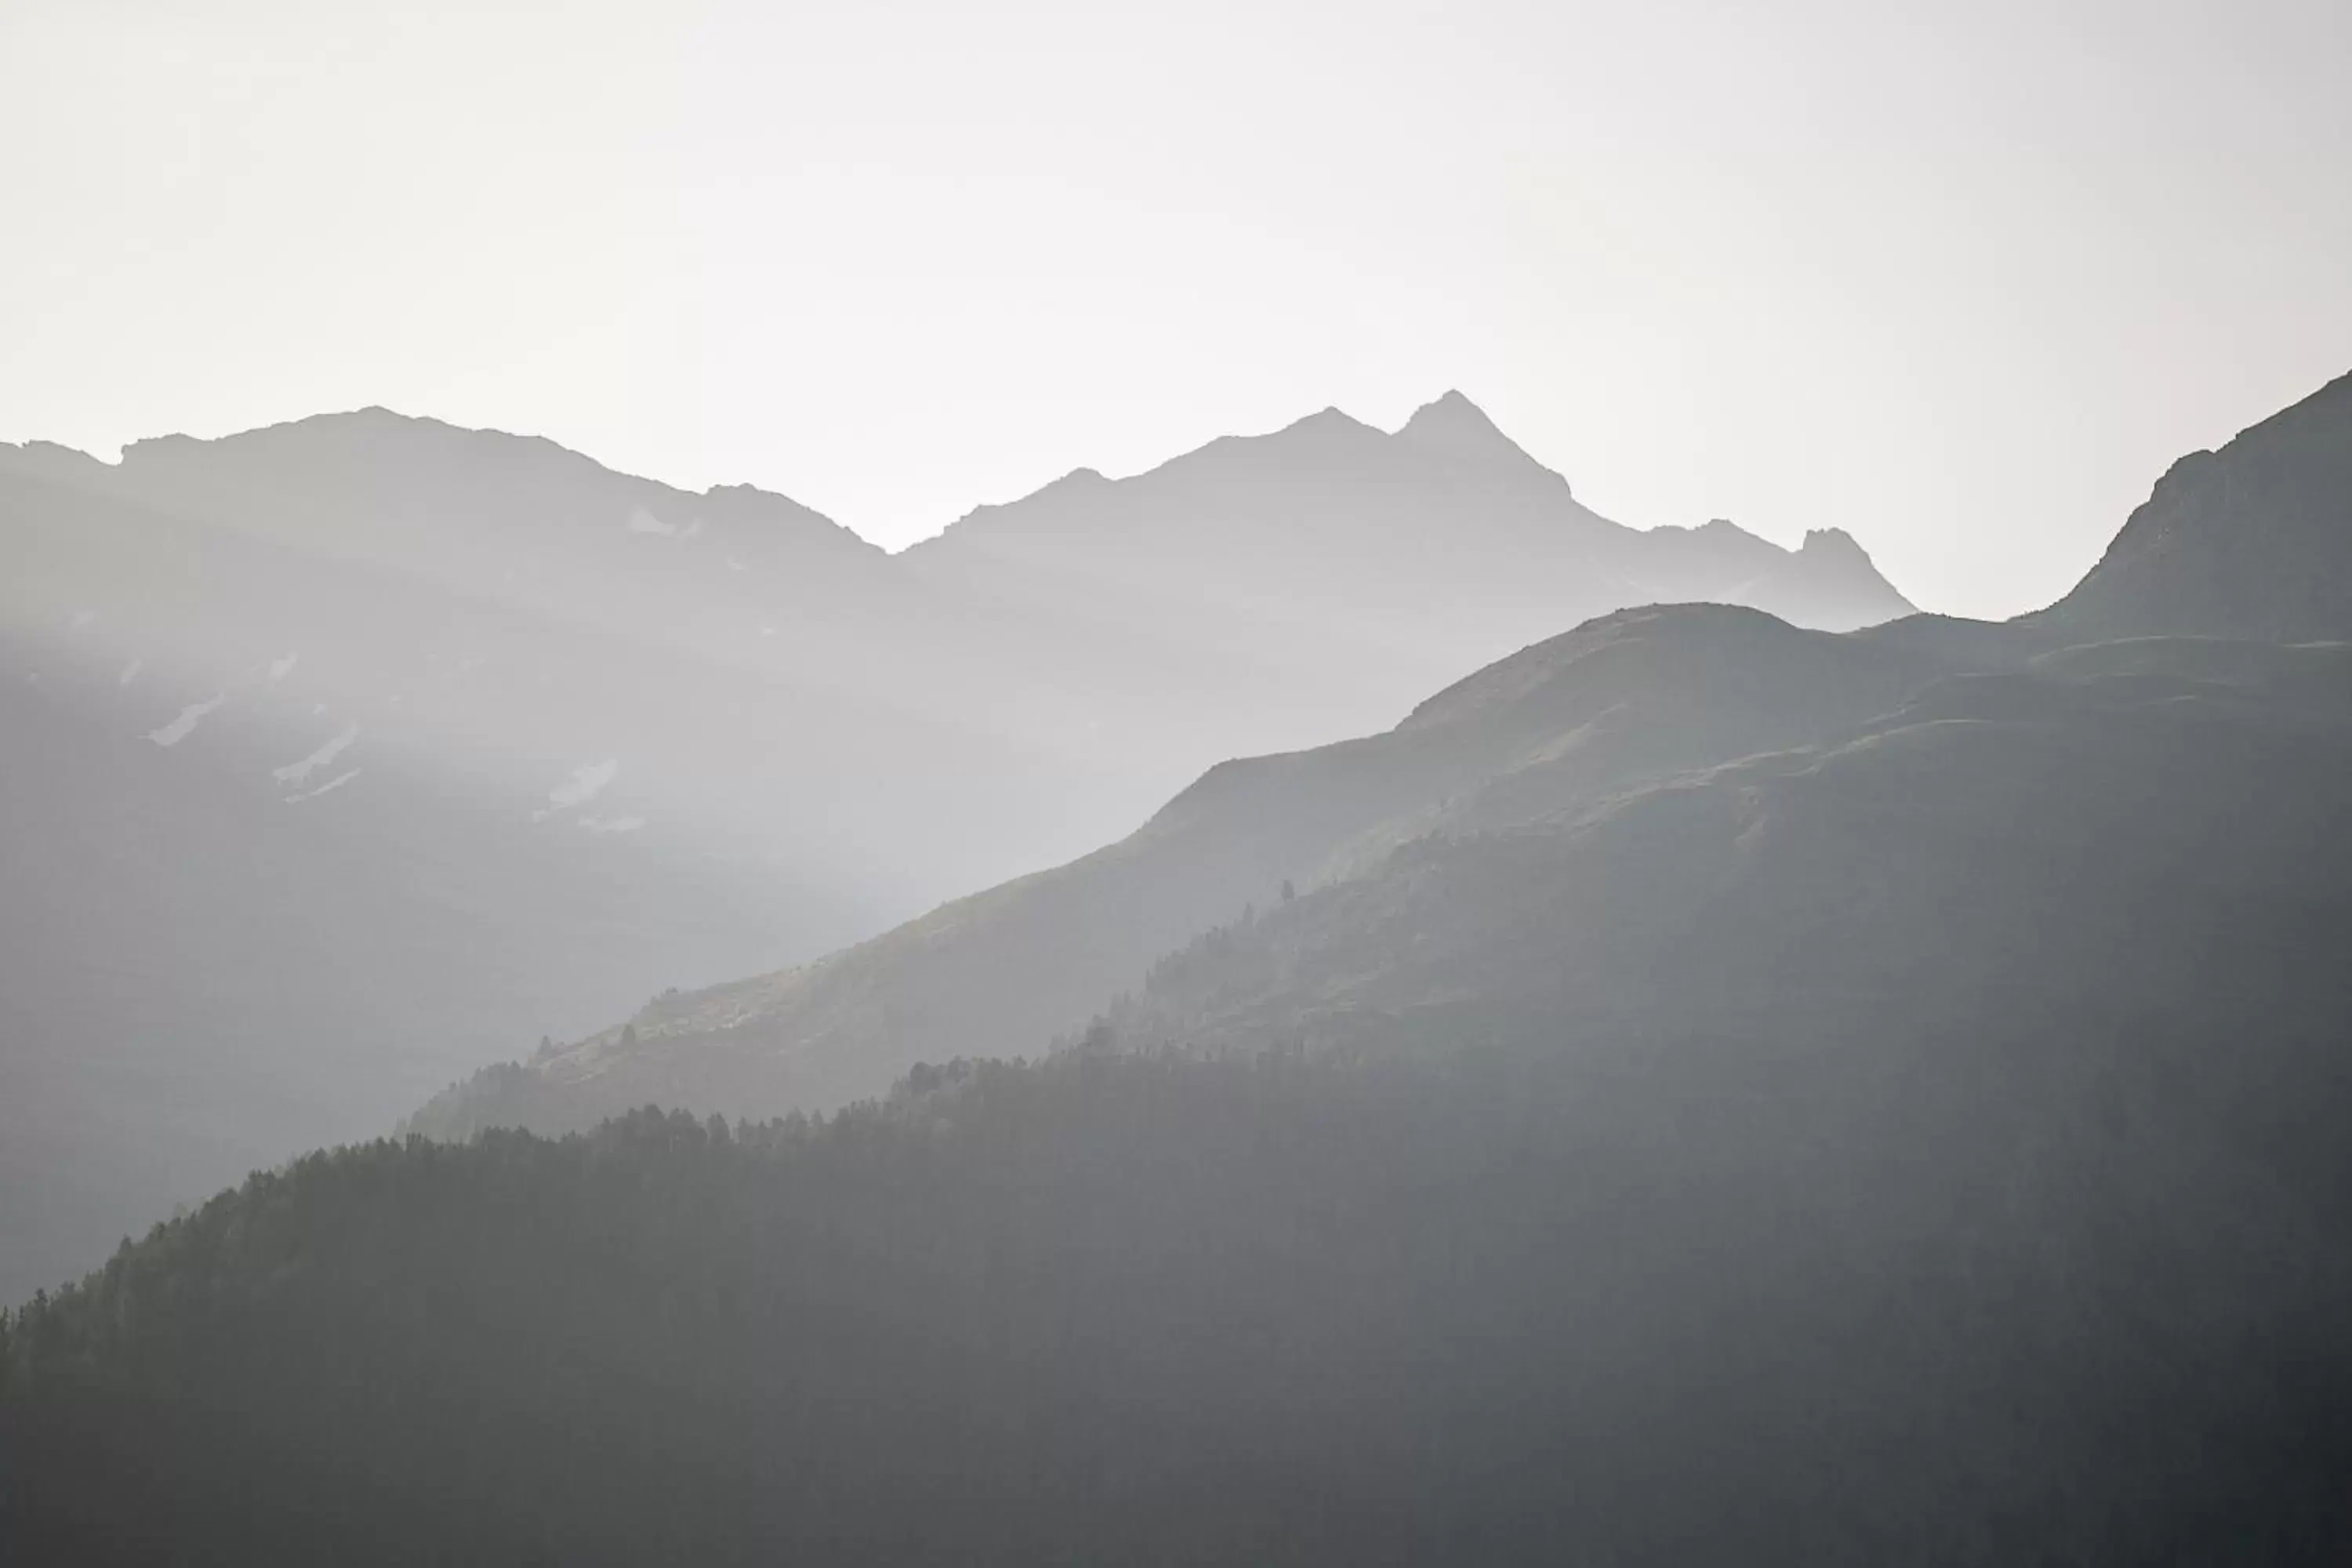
x: 1961, y: 278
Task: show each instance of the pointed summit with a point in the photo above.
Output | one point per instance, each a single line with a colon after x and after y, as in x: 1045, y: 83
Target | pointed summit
x: 1459, y: 428
x: 1453, y: 417
x: 1334, y: 420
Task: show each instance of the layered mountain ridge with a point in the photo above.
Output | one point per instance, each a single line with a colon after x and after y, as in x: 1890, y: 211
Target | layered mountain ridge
x: 1618, y: 709
x: 1697, y: 1089
x: 1632, y: 697
x: 470, y: 703
x: 1694, y: 1089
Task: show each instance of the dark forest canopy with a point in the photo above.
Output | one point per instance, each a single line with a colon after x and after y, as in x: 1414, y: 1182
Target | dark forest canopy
x: 1219, y: 1309
x: 1927, y: 1145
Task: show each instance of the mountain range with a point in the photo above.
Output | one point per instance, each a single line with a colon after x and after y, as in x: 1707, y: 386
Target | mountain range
x: 351, y: 753
x: 1698, y: 1089
x: 1521, y: 752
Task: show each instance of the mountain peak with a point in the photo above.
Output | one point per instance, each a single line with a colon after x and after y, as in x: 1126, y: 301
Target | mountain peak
x: 1452, y: 404
x: 1451, y: 414
x: 1331, y: 420
x: 1831, y: 541
x: 1457, y: 427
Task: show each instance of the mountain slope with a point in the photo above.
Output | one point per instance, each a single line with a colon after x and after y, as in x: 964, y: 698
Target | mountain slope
x: 1921, y: 1146
x: 2253, y: 541
x: 283, y: 925
x: 1630, y: 696
x: 293, y: 836
x: 2129, y: 842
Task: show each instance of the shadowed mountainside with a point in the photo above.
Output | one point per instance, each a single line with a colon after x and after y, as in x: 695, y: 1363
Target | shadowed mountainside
x: 1628, y: 698
x: 2253, y: 541
x: 2129, y: 846
x: 1923, y: 1145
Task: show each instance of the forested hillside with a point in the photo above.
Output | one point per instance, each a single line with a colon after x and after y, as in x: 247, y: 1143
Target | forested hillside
x: 1850, y: 1306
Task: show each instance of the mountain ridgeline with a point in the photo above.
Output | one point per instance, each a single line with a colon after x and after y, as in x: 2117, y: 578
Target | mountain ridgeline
x: 1633, y: 697
x: 351, y: 753
x: 1699, y: 1088
x: 1629, y: 702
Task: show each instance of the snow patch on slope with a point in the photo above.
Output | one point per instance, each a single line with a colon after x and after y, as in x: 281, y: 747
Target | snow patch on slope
x: 643, y: 522
x: 587, y: 782
x: 338, y: 782
x: 180, y: 728
x: 295, y: 772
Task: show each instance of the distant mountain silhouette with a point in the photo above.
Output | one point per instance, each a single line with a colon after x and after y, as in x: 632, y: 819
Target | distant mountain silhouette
x: 1351, y: 559
x: 505, y: 712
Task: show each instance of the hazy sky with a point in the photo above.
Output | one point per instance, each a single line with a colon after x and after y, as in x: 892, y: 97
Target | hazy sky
x: 1961, y: 278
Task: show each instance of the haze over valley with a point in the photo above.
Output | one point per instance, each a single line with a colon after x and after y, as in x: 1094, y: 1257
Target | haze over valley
x: 1852, y: 999
x: 1025, y: 784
